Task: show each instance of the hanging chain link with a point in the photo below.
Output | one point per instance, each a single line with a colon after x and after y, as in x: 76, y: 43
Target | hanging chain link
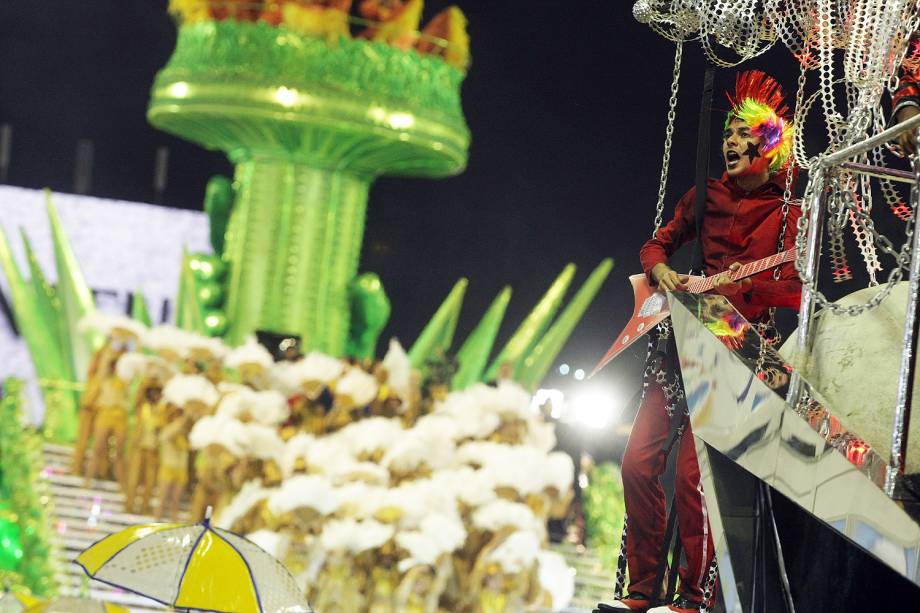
x: 668, y: 137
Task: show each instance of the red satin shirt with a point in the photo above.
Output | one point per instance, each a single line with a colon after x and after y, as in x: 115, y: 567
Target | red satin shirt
x: 740, y: 227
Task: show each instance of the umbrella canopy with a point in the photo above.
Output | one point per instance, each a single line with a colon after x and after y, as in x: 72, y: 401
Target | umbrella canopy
x: 13, y: 602
x: 76, y: 605
x: 194, y: 566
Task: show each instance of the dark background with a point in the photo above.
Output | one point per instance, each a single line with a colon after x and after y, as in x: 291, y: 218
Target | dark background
x: 566, y: 102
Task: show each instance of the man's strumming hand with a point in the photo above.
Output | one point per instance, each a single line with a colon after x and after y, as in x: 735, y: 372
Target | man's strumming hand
x: 668, y: 279
x: 906, y: 140
x: 723, y: 283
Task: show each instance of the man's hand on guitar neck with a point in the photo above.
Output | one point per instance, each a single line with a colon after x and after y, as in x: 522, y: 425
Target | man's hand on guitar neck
x: 723, y: 283
x: 669, y: 279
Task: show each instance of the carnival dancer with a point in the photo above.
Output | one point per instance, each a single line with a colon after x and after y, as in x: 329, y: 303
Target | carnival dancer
x: 745, y: 220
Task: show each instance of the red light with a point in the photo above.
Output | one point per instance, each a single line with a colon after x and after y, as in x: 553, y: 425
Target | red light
x: 856, y: 452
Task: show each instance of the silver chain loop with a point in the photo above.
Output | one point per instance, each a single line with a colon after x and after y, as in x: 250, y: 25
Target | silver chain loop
x: 668, y: 137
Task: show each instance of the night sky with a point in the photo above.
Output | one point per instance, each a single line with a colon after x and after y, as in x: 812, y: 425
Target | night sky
x: 566, y: 103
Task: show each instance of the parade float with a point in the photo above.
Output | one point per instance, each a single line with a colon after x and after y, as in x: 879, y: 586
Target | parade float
x: 400, y: 482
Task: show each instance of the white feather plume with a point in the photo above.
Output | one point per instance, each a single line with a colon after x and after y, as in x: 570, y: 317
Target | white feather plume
x: 314, y: 366
x: 213, y: 346
x: 438, y: 534
x: 399, y: 370
x: 500, y: 514
x: 307, y: 491
x: 350, y: 471
x: 269, y: 407
x: 251, y: 494
x: 275, y: 544
x: 369, y: 435
x: 557, y: 578
x: 430, y: 447
x: 360, y: 386
x: 295, y: 448
x: 131, y: 366
x: 250, y: 352
x: 182, y: 389
x: 168, y: 337
x: 213, y: 430
x: 559, y: 471
x: 517, y: 553
x: 106, y: 323
x: 263, y: 442
x: 355, y: 536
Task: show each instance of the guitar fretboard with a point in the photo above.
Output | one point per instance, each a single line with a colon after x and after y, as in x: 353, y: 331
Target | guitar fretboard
x: 698, y: 285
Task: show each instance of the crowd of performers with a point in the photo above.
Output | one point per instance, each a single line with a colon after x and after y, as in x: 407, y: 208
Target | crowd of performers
x: 746, y: 218
x: 381, y: 489
x: 393, y: 22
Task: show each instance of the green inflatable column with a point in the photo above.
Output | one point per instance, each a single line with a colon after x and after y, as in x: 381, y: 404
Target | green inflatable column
x: 308, y: 124
x: 295, y: 231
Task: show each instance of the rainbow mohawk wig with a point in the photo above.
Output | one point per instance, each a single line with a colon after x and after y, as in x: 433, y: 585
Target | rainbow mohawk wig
x: 758, y: 102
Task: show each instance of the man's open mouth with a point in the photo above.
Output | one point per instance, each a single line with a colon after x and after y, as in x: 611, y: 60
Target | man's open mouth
x: 732, y: 158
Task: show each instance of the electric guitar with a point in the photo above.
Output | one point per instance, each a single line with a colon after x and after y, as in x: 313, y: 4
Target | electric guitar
x: 651, y: 303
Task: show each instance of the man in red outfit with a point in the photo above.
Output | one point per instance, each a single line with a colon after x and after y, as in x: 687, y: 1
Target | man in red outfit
x: 745, y: 220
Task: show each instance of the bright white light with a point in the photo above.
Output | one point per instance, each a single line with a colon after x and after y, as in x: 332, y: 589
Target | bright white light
x: 401, y: 121
x: 563, y: 369
x: 579, y: 374
x: 555, y: 397
x: 593, y: 409
x: 286, y: 96
x: 178, y: 89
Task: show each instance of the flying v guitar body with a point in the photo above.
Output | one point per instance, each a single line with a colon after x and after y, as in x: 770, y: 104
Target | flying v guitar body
x: 651, y: 308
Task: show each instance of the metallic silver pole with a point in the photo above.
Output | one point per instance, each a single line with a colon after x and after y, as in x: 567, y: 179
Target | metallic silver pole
x: 880, y: 172
x: 872, y: 142
x: 908, y: 367
x: 805, y: 332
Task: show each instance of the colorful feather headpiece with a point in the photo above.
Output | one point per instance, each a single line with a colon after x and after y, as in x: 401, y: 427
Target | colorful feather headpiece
x: 758, y: 102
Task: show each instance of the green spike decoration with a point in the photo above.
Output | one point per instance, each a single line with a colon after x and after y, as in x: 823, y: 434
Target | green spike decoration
x: 309, y: 124
x: 539, y: 360
x: 527, y: 334
x: 438, y: 334
x: 74, y: 293
x: 474, y: 353
x: 139, y: 311
x: 189, y: 312
x: 22, y: 294
x: 39, y: 318
x: 47, y: 309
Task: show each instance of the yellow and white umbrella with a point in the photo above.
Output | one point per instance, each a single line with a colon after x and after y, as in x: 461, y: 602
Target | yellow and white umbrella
x: 76, y: 605
x: 16, y: 602
x: 194, y: 567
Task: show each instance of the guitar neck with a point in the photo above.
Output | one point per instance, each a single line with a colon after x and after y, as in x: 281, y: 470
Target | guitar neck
x: 698, y: 285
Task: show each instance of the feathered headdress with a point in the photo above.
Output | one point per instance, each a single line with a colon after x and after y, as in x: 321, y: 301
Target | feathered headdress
x: 758, y: 102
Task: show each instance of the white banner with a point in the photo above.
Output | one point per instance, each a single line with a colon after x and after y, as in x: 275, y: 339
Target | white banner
x: 121, y: 247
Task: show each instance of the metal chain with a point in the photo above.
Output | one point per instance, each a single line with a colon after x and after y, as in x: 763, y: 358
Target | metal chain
x: 768, y: 330
x: 668, y: 137
x: 837, y: 216
x: 902, y: 260
x: 866, y: 248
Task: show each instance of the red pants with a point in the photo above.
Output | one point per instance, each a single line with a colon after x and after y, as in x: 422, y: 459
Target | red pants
x: 643, y: 464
